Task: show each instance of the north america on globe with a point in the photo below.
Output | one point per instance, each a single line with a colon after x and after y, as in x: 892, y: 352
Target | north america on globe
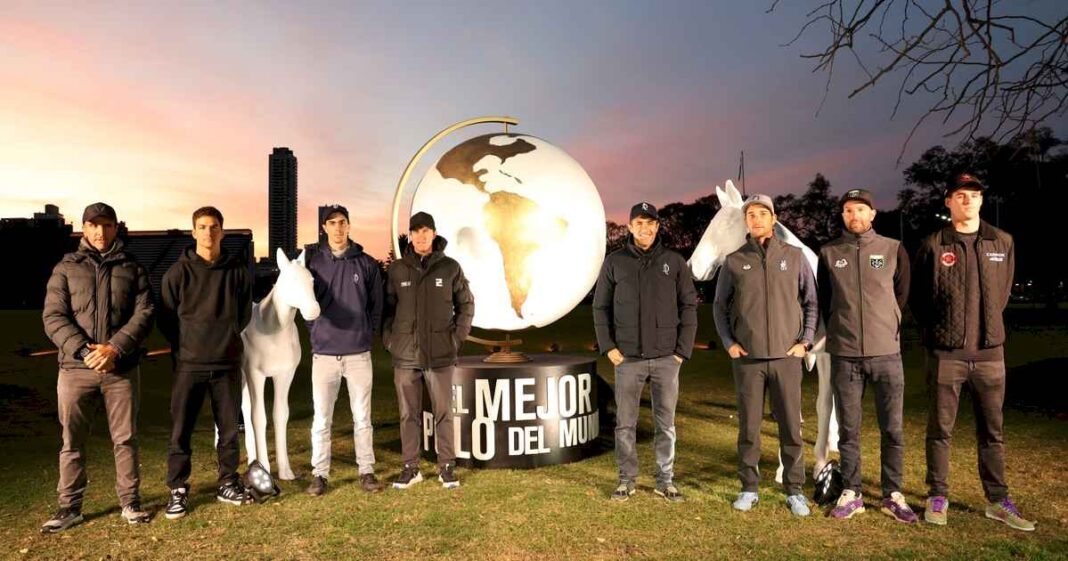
x: 518, y: 225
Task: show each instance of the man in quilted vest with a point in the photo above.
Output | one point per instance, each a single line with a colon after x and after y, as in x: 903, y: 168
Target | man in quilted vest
x: 960, y: 287
x: 97, y: 311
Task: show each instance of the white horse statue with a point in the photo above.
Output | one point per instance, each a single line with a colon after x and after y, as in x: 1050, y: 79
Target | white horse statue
x: 724, y: 235
x: 272, y: 350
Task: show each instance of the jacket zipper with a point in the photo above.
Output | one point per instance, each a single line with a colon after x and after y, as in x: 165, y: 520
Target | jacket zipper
x: 767, y: 315
x: 860, y: 292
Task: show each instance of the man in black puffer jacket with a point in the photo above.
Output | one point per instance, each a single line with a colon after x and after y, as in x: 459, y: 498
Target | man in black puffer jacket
x: 206, y: 299
x: 645, y: 317
x: 427, y: 316
x: 97, y: 311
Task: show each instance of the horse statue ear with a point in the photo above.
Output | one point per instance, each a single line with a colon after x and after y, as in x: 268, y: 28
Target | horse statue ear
x: 300, y: 259
x: 280, y: 259
x: 733, y: 196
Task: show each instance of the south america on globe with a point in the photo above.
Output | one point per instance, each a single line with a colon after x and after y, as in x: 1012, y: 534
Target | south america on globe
x: 525, y: 222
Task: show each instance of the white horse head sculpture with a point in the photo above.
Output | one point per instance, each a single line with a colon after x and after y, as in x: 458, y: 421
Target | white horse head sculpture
x: 724, y: 235
x: 272, y: 350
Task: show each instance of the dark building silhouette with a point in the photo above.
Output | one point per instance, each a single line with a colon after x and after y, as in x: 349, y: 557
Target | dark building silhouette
x: 282, y: 202
x: 157, y: 250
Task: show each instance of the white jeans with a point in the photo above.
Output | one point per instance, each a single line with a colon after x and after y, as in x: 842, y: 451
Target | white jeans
x: 327, y: 372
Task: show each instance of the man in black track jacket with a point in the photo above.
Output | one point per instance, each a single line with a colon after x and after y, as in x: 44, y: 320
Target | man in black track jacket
x: 427, y: 316
x: 206, y: 301
x: 645, y: 316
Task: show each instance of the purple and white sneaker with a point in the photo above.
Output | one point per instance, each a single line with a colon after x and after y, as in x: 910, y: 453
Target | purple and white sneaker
x: 849, y: 503
x: 895, y: 507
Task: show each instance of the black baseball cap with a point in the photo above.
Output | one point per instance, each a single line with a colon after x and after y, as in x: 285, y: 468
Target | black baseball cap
x: 644, y: 209
x: 335, y: 209
x: 964, y: 181
x: 98, y: 210
x: 860, y: 195
x: 421, y: 220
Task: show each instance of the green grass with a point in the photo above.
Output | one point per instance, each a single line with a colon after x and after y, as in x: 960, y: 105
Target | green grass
x: 559, y: 512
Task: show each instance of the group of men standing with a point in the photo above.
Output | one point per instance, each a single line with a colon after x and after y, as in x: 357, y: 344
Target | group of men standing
x: 766, y: 309
x: 99, y: 310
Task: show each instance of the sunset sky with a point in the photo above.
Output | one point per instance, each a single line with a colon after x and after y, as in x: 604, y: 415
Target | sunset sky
x: 160, y: 108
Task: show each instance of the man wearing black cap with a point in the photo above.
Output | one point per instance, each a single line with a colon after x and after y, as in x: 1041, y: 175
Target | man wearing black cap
x: 427, y: 316
x: 98, y: 310
x: 766, y: 311
x: 960, y: 287
x: 349, y: 289
x: 645, y: 317
x: 863, y: 280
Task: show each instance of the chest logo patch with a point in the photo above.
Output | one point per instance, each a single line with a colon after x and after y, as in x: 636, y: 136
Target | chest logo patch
x: 782, y: 265
x: 438, y: 283
x: 877, y: 261
x: 995, y: 257
x: 841, y: 264
x: 355, y: 277
x: 406, y: 284
x: 948, y: 259
x: 746, y: 267
x: 667, y: 269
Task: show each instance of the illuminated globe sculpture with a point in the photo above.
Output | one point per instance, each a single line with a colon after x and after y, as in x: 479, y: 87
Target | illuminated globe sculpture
x: 525, y: 222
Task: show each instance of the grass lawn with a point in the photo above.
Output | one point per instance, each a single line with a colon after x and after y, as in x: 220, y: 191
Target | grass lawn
x: 559, y: 512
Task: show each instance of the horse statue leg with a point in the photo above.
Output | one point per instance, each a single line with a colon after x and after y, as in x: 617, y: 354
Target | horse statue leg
x: 281, y: 419
x: 827, y: 430
x: 258, y: 416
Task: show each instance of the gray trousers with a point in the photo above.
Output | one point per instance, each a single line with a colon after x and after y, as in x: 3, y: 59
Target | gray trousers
x: 409, y: 384
x: 663, y: 376
x: 849, y: 379
x: 782, y: 378
x: 986, y: 380
x: 327, y: 373
x: 78, y: 392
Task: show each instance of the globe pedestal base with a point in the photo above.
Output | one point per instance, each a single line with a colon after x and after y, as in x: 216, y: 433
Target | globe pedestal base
x: 501, y: 351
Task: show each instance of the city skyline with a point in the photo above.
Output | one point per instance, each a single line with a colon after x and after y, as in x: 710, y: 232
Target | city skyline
x: 159, y: 110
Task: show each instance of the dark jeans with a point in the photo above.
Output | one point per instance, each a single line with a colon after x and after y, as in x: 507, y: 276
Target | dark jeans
x: 663, y: 376
x: 850, y: 377
x: 409, y: 384
x: 79, y: 392
x: 986, y: 381
x: 782, y: 377
x: 188, y: 390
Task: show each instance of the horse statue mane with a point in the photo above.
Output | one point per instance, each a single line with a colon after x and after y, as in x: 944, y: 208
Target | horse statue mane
x: 723, y: 236
x: 272, y: 350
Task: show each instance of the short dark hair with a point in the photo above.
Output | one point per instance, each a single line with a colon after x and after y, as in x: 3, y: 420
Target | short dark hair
x: 207, y: 211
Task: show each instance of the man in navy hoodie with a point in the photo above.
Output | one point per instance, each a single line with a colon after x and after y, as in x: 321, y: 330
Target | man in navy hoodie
x: 349, y: 289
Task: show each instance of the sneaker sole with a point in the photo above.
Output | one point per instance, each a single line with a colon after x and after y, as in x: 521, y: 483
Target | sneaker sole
x: 449, y: 485
x: 57, y: 529
x: 675, y: 499
x: 229, y: 501
x: 848, y: 516
x: 174, y: 515
x: 891, y: 514
x: 929, y: 520
x: 746, y: 509
x: 1009, y: 524
x: 622, y: 498
x: 139, y: 520
x: 416, y: 479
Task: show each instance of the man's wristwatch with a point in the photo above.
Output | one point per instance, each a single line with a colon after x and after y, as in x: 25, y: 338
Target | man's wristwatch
x: 83, y: 352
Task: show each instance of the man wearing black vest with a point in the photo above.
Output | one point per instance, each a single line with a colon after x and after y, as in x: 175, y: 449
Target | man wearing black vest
x: 863, y: 281
x: 645, y: 317
x: 766, y: 311
x: 960, y: 287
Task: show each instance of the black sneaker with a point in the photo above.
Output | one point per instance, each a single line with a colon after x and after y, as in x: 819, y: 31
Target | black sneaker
x: 669, y: 491
x: 317, y: 487
x: 447, y: 476
x: 232, y: 493
x: 408, y: 476
x: 623, y: 491
x: 134, y: 514
x: 63, y: 519
x: 370, y: 483
x: 178, y: 505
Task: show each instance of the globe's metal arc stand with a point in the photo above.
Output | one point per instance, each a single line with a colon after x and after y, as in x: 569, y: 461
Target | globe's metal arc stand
x: 501, y: 351
x: 505, y: 354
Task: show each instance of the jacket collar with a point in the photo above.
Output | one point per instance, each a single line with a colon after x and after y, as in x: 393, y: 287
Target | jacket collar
x: 436, y: 254
x: 950, y: 236
x: 863, y: 238
x: 354, y: 250
x: 653, y: 250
